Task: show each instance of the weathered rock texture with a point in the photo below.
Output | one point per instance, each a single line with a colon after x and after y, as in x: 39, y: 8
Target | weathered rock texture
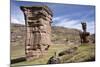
x: 38, y: 28
x: 54, y: 60
x: 84, y: 35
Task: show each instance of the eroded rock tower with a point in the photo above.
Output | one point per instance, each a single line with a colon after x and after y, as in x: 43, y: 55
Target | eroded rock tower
x: 38, y: 28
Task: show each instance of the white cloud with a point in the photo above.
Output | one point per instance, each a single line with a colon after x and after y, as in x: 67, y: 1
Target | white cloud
x: 91, y: 27
x: 13, y: 20
x: 81, y: 15
x: 67, y: 22
x: 59, y: 18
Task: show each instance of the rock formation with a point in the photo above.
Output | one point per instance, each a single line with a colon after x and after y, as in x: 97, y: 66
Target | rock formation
x: 54, y: 60
x: 38, y: 30
x: 84, y: 35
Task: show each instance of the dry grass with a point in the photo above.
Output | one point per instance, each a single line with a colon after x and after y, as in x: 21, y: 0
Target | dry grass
x: 83, y: 53
x: 43, y: 60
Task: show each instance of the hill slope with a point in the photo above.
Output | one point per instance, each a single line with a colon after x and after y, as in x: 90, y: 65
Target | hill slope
x: 59, y: 34
x: 60, y: 37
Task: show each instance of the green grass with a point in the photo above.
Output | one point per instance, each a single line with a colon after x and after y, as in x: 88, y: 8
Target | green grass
x: 83, y: 53
x: 17, y: 51
x: 43, y: 60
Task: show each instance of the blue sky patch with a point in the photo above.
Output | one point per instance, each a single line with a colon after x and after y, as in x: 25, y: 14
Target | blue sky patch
x: 66, y: 15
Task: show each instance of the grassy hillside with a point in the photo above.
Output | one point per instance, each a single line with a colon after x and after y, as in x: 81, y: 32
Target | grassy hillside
x: 84, y: 53
x: 59, y: 36
x: 62, y: 39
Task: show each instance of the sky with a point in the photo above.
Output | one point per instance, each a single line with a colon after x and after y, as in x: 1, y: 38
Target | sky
x: 65, y: 15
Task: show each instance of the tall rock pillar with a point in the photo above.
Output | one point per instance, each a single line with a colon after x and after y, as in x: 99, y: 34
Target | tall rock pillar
x: 38, y: 28
x: 84, y: 35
